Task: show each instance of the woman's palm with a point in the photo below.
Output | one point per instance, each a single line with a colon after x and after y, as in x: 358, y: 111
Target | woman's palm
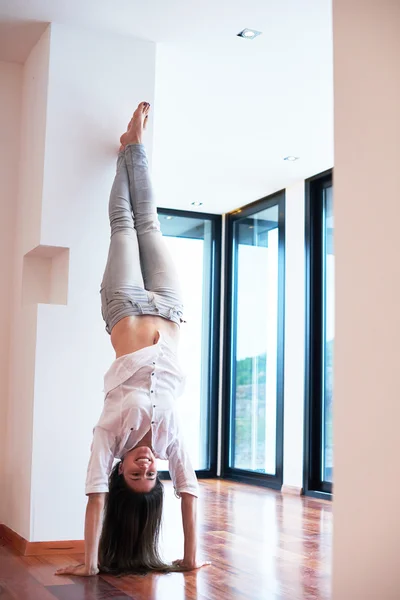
x: 78, y: 571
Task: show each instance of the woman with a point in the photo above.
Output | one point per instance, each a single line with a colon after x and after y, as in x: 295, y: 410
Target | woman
x: 142, y: 309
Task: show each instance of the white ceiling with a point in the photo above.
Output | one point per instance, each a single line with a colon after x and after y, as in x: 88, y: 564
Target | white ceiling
x: 174, y: 20
x: 242, y: 105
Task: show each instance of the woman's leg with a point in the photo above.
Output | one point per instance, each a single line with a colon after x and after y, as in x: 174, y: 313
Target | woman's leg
x: 158, y: 269
x: 123, y: 264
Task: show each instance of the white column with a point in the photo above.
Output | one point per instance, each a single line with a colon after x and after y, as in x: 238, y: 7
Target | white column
x: 18, y: 467
x: 294, y: 337
x: 10, y: 119
x: 272, y: 349
x: 366, y: 549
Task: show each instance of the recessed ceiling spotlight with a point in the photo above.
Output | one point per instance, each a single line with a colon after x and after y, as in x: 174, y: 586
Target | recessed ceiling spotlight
x: 197, y: 204
x: 291, y: 158
x: 249, y: 34
x: 169, y: 218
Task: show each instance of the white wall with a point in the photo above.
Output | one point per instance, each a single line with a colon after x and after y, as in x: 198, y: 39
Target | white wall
x: 95, y: 82
x: 10, y: 114
x: 294, y: 337
x: 23, y: 336
x: 367, y: 332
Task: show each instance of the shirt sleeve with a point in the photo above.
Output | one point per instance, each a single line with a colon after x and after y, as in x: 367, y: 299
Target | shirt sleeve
x: 101, y: 461
x: 181, y: 387
x: 180, y: 468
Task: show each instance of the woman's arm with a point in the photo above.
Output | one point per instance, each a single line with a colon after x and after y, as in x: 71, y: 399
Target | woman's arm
x: 189, y: 521
x: 93, y: 523
x: 186, y: 487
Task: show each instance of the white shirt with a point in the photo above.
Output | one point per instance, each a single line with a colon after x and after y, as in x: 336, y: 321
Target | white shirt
x: 140, y: 392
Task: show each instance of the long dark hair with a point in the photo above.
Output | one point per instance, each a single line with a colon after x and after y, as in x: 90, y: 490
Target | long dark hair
x: 131, y: 529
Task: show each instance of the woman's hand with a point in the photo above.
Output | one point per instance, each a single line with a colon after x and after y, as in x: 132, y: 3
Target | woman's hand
x: 190, y: 565
x: 78, y: 571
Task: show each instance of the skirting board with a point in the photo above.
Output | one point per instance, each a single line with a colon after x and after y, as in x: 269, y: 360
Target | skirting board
x: 37, y: 548
x: 291, y: 489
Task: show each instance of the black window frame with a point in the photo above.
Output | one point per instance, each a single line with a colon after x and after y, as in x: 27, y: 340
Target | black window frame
x: 228, y: 472
x: 313, y: 485
x: 214, y: 335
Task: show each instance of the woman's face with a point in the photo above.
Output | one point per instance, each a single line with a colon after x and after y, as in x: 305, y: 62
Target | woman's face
x: 139, y: 469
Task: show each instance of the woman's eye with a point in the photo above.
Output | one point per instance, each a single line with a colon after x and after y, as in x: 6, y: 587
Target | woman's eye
x: 151, y: 474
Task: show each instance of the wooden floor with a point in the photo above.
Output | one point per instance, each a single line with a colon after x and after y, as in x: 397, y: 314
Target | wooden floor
x: 263, y: 546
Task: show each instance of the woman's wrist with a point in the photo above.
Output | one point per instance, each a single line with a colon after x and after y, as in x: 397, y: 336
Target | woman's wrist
x: 190, y: 550
x: 92, y: 568
x: 91, y: 563
x: 189, y: 559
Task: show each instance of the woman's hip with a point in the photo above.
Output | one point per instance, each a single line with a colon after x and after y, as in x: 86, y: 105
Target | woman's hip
x: 136, y: 301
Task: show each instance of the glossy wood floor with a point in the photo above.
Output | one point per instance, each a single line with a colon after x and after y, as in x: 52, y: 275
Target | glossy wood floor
x: 263, y: 546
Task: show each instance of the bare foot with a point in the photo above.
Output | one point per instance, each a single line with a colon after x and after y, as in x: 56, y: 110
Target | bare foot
x: 136, y: 125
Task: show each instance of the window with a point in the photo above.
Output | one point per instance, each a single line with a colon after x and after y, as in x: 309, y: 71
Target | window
x: 320, y: 268
x: 254, y: 343
x: 194, y: 241
x: 328, y: 322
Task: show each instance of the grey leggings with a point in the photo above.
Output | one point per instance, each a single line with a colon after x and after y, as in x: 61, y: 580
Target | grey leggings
x: 140, y: 277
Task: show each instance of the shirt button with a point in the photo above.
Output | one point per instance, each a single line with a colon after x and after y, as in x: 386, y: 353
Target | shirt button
x: 152, y: 422
x: 154, y: 405
x: 152, y: 374
x: 152, y: 391
x: 154, y: 363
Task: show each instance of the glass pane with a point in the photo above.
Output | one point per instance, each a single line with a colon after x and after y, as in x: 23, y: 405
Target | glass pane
x: 256, y: 326
x: 329, y: 334
x: 190, y: 243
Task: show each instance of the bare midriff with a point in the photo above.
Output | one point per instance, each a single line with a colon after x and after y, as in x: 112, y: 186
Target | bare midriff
x: 134, y: 333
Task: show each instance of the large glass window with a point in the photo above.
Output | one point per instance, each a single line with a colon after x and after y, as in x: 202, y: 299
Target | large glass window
x: 328, y: 324
x: 255, y: 342
x: 194, y: 242
x: 320, y: 335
